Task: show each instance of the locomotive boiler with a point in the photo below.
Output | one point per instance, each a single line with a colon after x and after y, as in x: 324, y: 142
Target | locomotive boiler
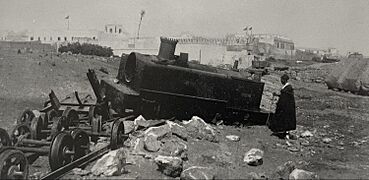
x: 167, y: 85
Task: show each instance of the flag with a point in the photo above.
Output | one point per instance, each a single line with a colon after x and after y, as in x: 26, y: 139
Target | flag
x: 245, y: 29
x: 250, y: 28
x: 67, y: 17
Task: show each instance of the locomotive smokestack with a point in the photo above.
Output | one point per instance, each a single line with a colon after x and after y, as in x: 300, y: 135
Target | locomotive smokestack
x: 167, y: 48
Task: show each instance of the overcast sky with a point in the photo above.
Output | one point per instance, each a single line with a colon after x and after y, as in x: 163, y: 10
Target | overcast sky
x: 309, y: 23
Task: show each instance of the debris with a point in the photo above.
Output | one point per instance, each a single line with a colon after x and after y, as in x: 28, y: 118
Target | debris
x: 233, y: 138
x: 104, y: 70
x: 98, y: 145
x: 198, y: 128
x: 327, y: 140
x: 178, y: 130
x: 174, y: 147
x: 151, y: 143
x: 340, y: 147
x: 306, y: 134
x: 293, y: 149
x: 302, y: 174
x: 254, y: 157
x: 140, y: 122
x: 111, y: 164
x: 128, y: 127
x: 80, y: 172
x: 291, y: 136
x: 159, y: 131
x: 326, y: 126
x: 170, y: 166
x: 283, y: 171
x: 36, y: 175
x: 197, y: 172
x: 305, y: 143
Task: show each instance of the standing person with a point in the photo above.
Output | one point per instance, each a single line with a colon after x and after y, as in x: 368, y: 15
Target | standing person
x: 284, y: 118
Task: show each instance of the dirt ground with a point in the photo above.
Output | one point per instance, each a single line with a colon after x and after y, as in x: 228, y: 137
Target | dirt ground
x: 26, y: 79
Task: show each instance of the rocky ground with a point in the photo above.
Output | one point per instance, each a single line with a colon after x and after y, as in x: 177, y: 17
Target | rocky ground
x: 330, y: 141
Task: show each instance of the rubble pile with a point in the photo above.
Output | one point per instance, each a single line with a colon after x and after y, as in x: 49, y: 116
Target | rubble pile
x: 164, y: 144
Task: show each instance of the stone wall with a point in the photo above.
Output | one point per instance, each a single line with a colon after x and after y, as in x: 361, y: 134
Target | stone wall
x: 27, y: 46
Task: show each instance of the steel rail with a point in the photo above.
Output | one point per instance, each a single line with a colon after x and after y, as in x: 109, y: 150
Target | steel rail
x: 77, y: 163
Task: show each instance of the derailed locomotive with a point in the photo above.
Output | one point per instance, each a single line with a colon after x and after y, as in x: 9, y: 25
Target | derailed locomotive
x: 166, y: 86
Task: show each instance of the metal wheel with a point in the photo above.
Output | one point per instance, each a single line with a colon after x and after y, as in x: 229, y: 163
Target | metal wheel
x: 59, y: 124
x: 13, y: 165
x: 71, y: 116
x: 4, y: 138
x: 26, y: 117
x: 61, y: 151
x: 117, y: 137
x: 36, y: 127
x: 19, y: 132
x: 81, y: 143
x: 49, y: 117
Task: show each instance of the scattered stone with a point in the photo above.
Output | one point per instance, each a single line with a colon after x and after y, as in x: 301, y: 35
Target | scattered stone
x: 326, y: 126
x: 178, y: 130
x: 104, y: 70
x: 80, y: 172
x: 233, y: 138
x: 170, y: 166
x: 340, y: 147
x: 254, y: 157
x: 151, y: 143
x: 306, y: 134
x: 198, y: 128
x: 98, y: 145
x: 197, y: 172
x: 327, y: 140
x: 138, y: 147
x: 174, y: 147
x: 293, y: 149
x: 111, y: 164
x: 305, y: 143
x: 140, y: 122
x: 291, y: 137
x: 283, y: 171
x: 128, y: 127
x: 159, y: 131
x: 302, y: 174
x: 36, y: 175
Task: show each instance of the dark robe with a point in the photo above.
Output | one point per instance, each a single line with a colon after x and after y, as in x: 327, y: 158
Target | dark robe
x: 284, y: 118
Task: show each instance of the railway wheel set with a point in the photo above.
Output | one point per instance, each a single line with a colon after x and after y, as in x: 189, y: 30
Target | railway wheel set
x: 63, y: 134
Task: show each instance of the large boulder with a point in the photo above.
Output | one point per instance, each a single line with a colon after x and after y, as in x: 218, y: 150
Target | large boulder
x: 174, y: 147
x: 254, y: 157
x: 153, y: 135
x: 169, y: 165
x: 151, y: 143
x: 140, y: 122
x: 302, y: 174
x: 128, y: 127
x: 197, y: 172
x: 111, y: 164
x: 178, y: 130
x: 198, y: 128
x: 159, y: 131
